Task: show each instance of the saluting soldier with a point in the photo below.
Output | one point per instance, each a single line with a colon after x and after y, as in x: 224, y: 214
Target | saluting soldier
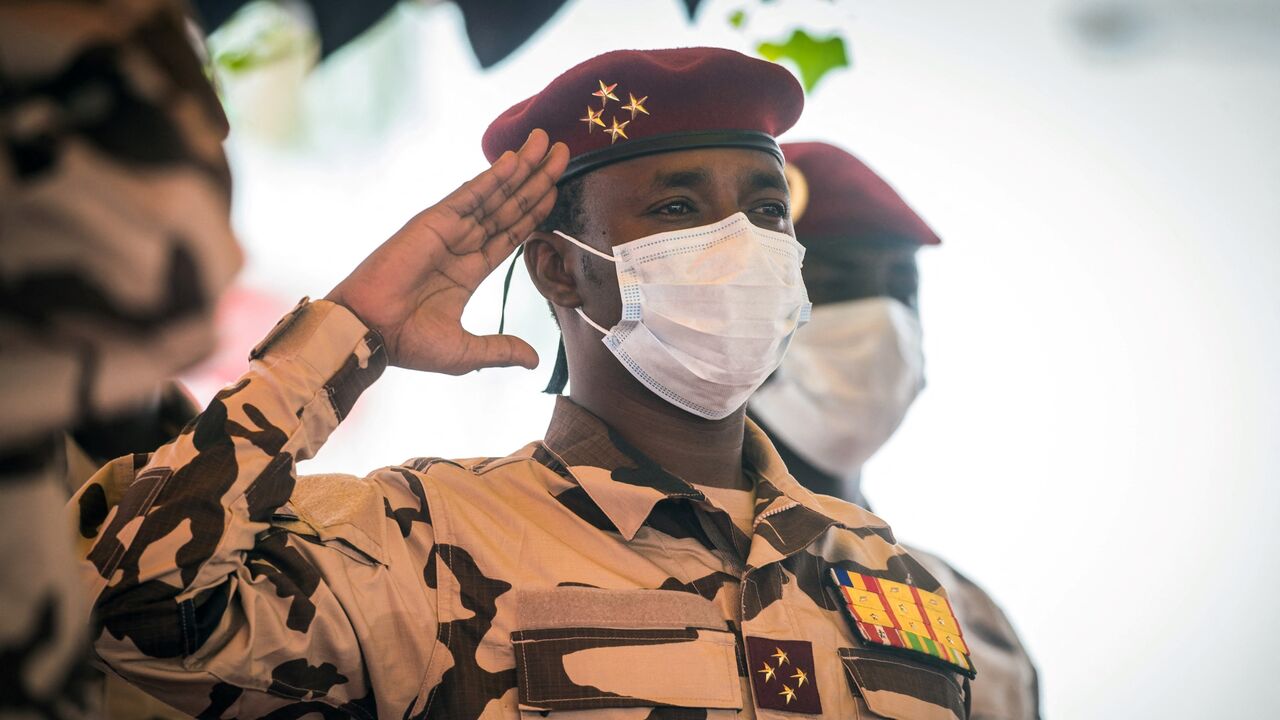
x: 852, y: 373
x: 650, y: 557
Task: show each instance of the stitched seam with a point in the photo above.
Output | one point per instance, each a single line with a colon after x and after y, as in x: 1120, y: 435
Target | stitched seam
x: 562, y: 638
x: 653, y: 382
x: 524, y: 656
x: 323, y: 697
x: 145, y: 508
x: 439, y: 521
x: 644, y: 701
x: 182, y: 627
x: 448, y: 633
x: 688, y: 249
x: 690, y: 236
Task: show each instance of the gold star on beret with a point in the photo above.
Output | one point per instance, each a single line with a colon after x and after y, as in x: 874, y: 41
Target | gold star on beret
x: 635, y: 105
x: 605, y: 93
x: 593, y: 118
x: 617, y: 130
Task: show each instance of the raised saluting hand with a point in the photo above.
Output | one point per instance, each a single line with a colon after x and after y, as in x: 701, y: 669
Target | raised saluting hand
x: 412, y: 289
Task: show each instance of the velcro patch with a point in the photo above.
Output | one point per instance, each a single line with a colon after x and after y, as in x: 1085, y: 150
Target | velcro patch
x: 903, y: 616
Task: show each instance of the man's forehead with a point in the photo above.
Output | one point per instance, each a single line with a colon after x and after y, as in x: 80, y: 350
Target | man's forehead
x: 698, y: 167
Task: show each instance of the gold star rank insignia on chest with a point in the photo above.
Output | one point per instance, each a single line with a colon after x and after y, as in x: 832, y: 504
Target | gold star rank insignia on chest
x: 782, y: 675
x: 904, y: 617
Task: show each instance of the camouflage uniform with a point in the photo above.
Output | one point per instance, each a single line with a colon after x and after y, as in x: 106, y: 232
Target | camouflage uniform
x: 114, y: 198
x: 573, y: 575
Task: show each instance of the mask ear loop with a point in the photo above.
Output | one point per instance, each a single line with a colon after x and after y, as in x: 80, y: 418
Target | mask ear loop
x: 586, y: 247
x: 597, y: 253
x: 560, y: 373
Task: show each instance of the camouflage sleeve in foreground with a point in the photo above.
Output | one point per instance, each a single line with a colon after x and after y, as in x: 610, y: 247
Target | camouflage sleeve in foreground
x: 1007, y: 688
x: 114, y: 208
x: 115, y: 242
x: 206, y: 592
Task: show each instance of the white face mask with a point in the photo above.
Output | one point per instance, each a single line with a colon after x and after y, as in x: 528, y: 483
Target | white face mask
x: 707, y: 312
x: 846, y: 384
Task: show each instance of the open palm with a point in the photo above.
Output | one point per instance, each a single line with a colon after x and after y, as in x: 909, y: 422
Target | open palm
x: 413, y: 288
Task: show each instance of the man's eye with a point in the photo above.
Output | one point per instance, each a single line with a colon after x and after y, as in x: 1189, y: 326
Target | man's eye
x: 773, y: 209
x: 675, y: 207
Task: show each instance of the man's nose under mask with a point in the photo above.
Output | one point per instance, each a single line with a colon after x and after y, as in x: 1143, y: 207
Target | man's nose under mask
x: 707, y: 312
x: 846, y: 384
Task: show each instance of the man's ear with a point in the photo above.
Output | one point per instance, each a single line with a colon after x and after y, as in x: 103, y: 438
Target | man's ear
x: 546, y: 259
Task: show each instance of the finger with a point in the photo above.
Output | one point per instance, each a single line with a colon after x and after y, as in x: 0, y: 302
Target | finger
x: 497, y: 226
x: 486, y: 351
x: 499, y: 249
x: 528, y: 196
x: 491, y: 187
x: 488, y: 191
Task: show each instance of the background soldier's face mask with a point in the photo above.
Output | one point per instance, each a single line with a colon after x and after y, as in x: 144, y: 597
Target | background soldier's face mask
x: 846, y: 384
x: 707, y: 312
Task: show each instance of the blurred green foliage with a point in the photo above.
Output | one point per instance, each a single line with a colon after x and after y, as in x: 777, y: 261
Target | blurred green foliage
x: 813, y: 57
x: 259, y: 34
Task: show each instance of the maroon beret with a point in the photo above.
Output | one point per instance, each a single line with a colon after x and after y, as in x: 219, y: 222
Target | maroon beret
x: 836, y: 196
x: 628, y: 103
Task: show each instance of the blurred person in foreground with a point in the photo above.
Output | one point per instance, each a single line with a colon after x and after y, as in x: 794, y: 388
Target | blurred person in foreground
x: 116, y: 242
x: 114, y: 216
x: 651, y: 557
x: 853, y: 372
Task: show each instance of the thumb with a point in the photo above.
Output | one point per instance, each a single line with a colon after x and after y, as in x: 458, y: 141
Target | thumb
x: 485, y: 351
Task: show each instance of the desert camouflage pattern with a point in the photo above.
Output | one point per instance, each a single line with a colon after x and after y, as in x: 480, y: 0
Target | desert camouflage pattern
x: 115, y: 698
x: 1007, y: 687
x: 572, y: 578
x: 114, y: 243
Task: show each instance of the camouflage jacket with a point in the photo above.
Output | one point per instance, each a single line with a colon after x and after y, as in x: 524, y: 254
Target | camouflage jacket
x: 115, y: 242
x: 574, y: 577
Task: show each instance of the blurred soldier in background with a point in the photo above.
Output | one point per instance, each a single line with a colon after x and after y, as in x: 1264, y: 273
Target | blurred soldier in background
x: 852, y: 373
x: 114, y: 199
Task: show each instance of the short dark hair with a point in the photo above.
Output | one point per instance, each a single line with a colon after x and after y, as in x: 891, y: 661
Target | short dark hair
x: 566, y: 214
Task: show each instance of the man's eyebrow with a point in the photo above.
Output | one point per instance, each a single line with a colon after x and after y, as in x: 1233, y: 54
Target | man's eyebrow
x: 690, y: 179
x: 760, y: 180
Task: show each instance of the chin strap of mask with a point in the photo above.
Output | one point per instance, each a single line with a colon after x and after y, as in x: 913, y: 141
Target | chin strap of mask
x: 560, y: 374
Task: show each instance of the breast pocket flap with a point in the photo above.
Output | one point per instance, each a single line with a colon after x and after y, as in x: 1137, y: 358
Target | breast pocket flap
x: 627, y: 648
x: 899, y: 689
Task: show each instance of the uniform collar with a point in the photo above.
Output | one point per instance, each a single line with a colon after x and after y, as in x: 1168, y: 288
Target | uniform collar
x: 626, y: 485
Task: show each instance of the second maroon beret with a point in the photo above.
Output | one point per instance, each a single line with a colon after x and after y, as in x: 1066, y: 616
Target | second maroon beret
x: 846, y: 199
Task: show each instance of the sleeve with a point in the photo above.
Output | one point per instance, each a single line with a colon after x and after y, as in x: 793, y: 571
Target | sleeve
x: 202, y: 600
x: 115, y: 241
x: 114, y: 209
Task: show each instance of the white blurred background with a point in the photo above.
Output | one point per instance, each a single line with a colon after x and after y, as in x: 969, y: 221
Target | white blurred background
x: 1102, y: 320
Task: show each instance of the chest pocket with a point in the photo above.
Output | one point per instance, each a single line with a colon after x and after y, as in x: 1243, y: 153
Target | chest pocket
x: 893, y: 687
x: 590, y: 649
